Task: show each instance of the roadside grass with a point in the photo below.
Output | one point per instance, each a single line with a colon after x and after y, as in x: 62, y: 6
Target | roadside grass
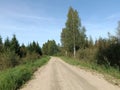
x: 14, y: 78
x: 111, y: 74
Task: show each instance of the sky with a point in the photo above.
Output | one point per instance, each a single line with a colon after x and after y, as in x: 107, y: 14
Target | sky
x: 40, y: 20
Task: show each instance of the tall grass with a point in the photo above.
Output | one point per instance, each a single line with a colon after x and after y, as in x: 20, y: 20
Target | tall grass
x: 106, y: 71
x: 13, y: 78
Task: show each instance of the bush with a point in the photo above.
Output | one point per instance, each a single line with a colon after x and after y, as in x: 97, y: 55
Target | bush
x: 94, y: 66
x: 109, y: 56
x: 13, y: 78
x: 30, y: 57
x: 87, y: 54
x: 8, y: 59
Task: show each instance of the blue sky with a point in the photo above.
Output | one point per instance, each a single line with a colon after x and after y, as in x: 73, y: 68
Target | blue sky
x: 40, y: 20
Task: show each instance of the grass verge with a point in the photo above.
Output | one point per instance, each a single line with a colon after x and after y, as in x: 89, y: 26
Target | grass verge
x: 14, y: 78
x: 111, y: 74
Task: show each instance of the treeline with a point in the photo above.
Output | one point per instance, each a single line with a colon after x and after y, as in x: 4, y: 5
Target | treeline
x: 104, y: 51
x: 12, y: 53
x: 50, y: 48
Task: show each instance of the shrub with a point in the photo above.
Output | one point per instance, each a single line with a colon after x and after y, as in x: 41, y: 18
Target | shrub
x: 87, y: 54
x: 109, y: 55
x: 8, y: 59
x: 13, y: 78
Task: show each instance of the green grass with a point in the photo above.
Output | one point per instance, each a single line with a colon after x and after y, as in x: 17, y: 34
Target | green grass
x: 14, y: 78
x: 108, y: 72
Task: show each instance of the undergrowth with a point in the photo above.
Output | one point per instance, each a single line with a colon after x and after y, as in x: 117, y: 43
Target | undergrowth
x: 93, y: 66
x: 14, y: 78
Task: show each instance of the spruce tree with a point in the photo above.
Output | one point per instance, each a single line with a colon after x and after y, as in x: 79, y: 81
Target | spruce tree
x: 14, y: 45
x: 7, y: 44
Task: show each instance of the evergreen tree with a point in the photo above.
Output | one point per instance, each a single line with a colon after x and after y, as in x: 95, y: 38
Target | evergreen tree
x: 14, y: 45
x: 82, y: 38
x: 38, y: 49
x: 45, y: 49
x: 91, y: 42
x: 23, y: 51
x: 118, y: 32
x: 1, y: 44
x: 34, y: 47
x: 7, y: 44
x: 1, y: 40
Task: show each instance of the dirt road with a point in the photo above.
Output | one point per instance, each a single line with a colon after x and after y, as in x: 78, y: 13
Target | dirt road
x: 58, y: 75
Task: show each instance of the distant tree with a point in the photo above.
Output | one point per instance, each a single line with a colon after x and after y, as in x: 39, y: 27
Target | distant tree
x: 50, y: 48
x: 1, y: 44
x: 45, y: 49
x: 1, y: 40
x: 23, y: 51
x: 91, y: 42
x: 34, y: 47
x: 82, y: 37
x: 86, y: 43
x: 7, y: 44
x: 38, y: 49
x: 72, y: 36
x: 14, y: 45
x: 118, y: 32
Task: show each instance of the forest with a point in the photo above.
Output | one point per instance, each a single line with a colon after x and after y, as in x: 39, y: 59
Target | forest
x: 103, y: 52
x: 74, y: 43
x: 13, y: 54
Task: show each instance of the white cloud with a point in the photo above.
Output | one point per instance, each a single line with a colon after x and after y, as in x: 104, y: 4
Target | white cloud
x: 100, y: 28
x: 113, y: 17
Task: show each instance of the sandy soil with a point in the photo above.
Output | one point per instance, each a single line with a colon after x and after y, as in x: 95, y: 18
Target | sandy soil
x: 58, y: 75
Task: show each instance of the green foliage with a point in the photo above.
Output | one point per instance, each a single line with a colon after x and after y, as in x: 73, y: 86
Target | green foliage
x: 93, y: 66
x: 118, y: 31
x: 104, y: 52
x: 1, y: 40
x: 73, y: 35
x: 90, y: 42
x: 23, y: 51
x: 8, y: 59
x: 14, y: 78
x: 34, y: 47
x: 50, y: 48
x: 30, y: 57
x: 71, y: 60
x: 109, y: 55
x: 87, y: 54
x: 12, y: 54
x: 14, y: 45
x: 7, y: 44
x: 1, y: 44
